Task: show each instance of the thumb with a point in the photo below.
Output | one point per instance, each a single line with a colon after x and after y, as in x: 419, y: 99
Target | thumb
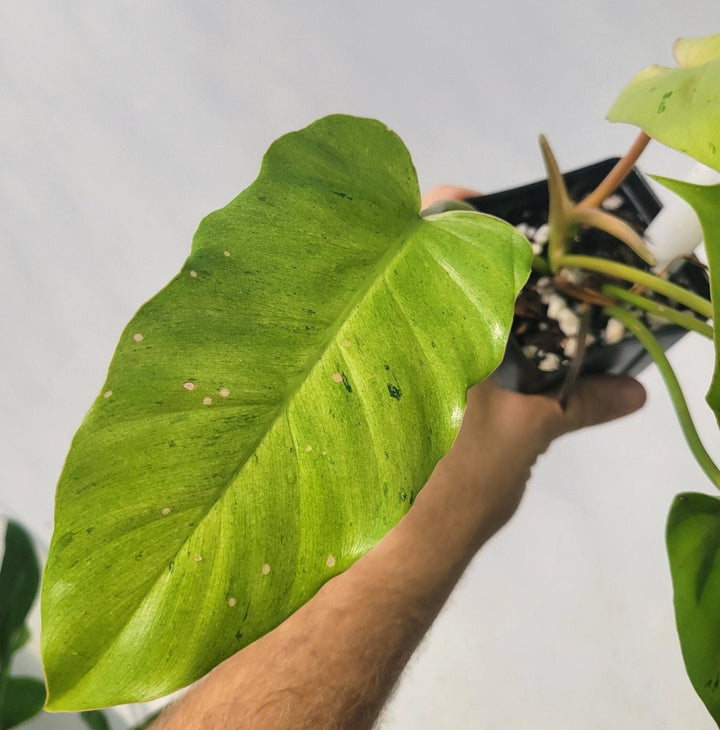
x: 601, y: 398
x: 446, y: 192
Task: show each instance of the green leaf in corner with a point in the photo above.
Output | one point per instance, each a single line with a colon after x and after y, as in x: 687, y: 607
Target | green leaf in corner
x: 95, y: 720
x: 19, y: 577
x: 693, y: 540
x: 20, y: 639
x: 679, y: 107
x: 270, y: 414
x: 705, y: 200
x: 24, y: 698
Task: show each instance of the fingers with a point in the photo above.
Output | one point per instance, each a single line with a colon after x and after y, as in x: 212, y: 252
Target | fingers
x: 446, y: 192
x: 536, y: 420
x: 599, y: 399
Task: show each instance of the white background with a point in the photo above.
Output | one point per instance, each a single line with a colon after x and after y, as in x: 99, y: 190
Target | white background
x: 123, y: 123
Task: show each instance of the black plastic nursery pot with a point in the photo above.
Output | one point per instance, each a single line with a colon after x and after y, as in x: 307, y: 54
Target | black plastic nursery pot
x: 527, y: 207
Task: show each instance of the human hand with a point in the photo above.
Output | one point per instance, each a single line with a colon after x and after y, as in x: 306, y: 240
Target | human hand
x: 502, y: 435
x: 446, y: 192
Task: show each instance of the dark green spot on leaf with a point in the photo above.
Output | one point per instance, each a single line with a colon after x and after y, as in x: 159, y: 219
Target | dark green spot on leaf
x: 661, y: 106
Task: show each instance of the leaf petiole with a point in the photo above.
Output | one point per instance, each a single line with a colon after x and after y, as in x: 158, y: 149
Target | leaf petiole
x: 618, y: 173
x: 682, y: 319
x: 621, y: 271
x: 655, y: 351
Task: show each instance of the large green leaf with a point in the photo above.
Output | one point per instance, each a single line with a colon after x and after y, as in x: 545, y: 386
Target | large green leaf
x: 679, y: 107
x: 705, y: 199
x: 19, y: 577
x: 693, y: 540
x: 270, y: 414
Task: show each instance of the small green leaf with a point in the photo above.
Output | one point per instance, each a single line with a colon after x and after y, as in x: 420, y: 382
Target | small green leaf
x: 679, y: 107
x: 20, y: 638
x: 270, y: 414
x: 19, y: 578
x: 95, y: 720
x: 705, y: 200
x: 24, y: 698
x: 693, y: 540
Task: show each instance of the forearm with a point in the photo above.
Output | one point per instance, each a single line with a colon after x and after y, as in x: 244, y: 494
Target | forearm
x: 334, y: 662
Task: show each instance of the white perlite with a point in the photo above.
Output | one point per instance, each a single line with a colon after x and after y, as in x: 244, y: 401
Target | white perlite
x: 542, y: 234
x: 570, y: 344
x: 612, y: 202
x: 614, y: 331
x: 549, y: 363
x: 574, y: 276
x: 557, y: 309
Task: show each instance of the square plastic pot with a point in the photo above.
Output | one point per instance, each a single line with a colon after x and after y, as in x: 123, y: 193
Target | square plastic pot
x: 633, y: 200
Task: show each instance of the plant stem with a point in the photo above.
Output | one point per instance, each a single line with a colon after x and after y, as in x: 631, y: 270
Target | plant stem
x: 678, y: 400
x: 617, y: 174
x: 682, y: 319
x: 612, y: 268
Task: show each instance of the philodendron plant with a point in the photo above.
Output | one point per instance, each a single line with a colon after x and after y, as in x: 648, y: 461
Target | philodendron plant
x: 273, y: 411
x: 270, y: 414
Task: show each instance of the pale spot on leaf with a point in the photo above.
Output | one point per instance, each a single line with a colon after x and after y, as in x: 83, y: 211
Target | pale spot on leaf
x: 198, y: 558
x: 337, y: 377
x: 224, y: 392
x: 166, y: 510
x: 227, y: 253
x: 207, y: 400
x: 308, y: 448
x: 193, y: 274
x: 231, y: 602
x: 265, y: 569
x: 189, y: 385
x: 138, y: 337
x: 330, y: 562
x: 107, y: 393
x: 346, y: 343
x: 457, y: 416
